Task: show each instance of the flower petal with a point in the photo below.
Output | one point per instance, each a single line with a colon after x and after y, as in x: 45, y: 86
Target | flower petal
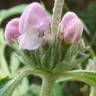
x: 12, y: 30
x: 29, y: 41
x: 33, y: 17
x: 68, y: 17
x: 71, y: 27
x: 74, y: 30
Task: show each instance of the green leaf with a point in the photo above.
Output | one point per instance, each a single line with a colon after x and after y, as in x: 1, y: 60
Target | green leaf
x: 35, y: 89
x: 12, y: 11
x: 14, y: 63
x: 86, y: 76
x: 3, y: 81
x: 8, y: 89
x: 3, y: 63
x: 24, y: 85
x: 2, y: 76
x: 2, y: 41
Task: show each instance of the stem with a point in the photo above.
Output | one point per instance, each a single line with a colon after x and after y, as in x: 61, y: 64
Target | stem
x: 57, y: 13
x: 47, y: 87
x: 93, y: 91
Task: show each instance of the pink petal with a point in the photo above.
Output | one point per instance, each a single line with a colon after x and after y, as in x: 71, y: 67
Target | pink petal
x: 33, y: 17
x: 71, y: 27
x: 29, y: 41
x: 74, y: 30
x: 12, y: 30
x: 68, y: 17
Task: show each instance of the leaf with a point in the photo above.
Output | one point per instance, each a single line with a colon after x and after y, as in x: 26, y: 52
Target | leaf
x: 9, y: 87
x: 12, y: 11
x: 2, y: 76
x: 3, y: 63
x: 86, y: 76
x: 2, y: 41
x: 24, y: 85
x: 14, y: 63
x: 3, y: 81
x: 35, y: 89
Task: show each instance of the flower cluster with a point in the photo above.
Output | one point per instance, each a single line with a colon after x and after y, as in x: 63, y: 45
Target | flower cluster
x: 32, y: 29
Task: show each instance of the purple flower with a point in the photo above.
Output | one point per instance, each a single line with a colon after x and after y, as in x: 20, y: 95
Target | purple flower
x: 71, y: 27
x: 12, y: 31
x: 33, y: 28
x: 33, y: 25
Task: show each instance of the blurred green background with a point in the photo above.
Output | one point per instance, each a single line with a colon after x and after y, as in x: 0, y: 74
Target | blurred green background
x: 9, y: 63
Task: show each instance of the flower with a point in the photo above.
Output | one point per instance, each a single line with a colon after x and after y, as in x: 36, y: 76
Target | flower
x: 12, y: 31
x: 71, y: 27
x: 34, y: 23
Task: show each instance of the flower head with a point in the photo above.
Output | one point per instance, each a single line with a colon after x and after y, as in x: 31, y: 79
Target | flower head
x: 12, y: 30
x: 33, y: 23
x: 71, y: 27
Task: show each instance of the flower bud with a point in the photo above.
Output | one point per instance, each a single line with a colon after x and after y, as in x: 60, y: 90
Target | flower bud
x: 12, y: 30
x: 33, y: 24
x: 71, y: 27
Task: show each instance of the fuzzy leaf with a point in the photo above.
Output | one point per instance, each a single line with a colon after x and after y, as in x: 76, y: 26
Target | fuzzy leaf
x: 86, y: 76
x: 3, y: 81
x: 9, y: 87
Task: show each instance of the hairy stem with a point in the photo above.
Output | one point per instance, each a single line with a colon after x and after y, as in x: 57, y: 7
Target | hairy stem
x: 57, y: 12
x: 47, y: 87
x: 93, y: 91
